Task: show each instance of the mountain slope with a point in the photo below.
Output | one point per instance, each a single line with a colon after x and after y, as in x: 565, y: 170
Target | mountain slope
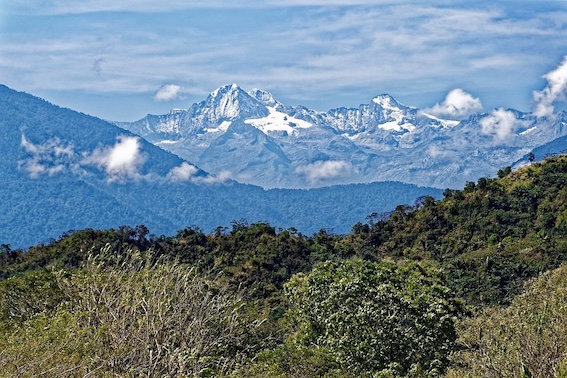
x: 64, y: 170
x: 555, y: 147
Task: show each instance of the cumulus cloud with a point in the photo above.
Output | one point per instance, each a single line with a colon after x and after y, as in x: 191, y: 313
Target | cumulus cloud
x: 324, y: 170
x: 457, y: 105
x: 188, y: 172
x: 168, y: 92
x: 500, y: 123
x: 48, y: 158
x: 184, y: 172
x: 554, y: 92
x: 121, y: 161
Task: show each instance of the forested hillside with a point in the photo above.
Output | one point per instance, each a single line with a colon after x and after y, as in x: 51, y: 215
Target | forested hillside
x: 432, y: 289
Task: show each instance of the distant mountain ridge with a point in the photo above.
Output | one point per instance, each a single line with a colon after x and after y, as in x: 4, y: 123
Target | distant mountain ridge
x: 382, y: 140
x: 62, y: 170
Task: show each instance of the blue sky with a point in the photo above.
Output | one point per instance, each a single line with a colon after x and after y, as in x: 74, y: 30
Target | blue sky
x: 110, y: 58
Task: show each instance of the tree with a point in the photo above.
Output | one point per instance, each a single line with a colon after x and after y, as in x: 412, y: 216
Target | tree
x: 376, y: 317
x: 504, y: 172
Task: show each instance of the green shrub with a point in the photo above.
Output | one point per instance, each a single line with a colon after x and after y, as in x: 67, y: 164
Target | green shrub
x: 376, y: 317
x: 526, y: 339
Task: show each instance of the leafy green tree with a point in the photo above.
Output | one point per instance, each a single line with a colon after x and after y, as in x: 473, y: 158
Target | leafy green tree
x: 376, y: 317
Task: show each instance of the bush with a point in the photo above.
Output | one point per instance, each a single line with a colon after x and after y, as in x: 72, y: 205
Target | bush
x: 526, y: 339
x: 376, y: 317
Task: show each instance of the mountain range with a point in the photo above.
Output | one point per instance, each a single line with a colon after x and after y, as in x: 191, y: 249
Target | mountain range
x: 62, y: 170
x: 253, y: 138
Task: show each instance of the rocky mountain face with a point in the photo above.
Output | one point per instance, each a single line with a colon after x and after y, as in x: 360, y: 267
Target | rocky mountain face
x: 253, y: 138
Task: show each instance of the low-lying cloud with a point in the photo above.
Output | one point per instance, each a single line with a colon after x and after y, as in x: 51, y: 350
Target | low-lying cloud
x: 121, y: 161
x: 188, y: 172
x: 219, y: 178
x: 48, y: 158
x: 168, y: 92
x: 184, y: 172
x: 325, y: 170
x: 458, y: 104
x: 500, y: 123
x: 553, y: 92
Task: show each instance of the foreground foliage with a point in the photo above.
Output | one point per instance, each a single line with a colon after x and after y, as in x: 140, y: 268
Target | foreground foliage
x: 376, y: 317
x: 127, y: 315
x: 256, y: 301
x: 526, y: 339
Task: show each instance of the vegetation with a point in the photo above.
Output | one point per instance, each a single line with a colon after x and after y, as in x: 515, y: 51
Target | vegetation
x: 376, y: 317
x: 473, y: 285
x: 526, y: 339
x: 127, y: 315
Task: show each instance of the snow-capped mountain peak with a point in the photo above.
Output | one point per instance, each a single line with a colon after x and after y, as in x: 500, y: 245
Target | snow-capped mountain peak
x: 446, y: 123
x: 230, y: 102
x: 387, y: 102
x: 225, y: 89
x: 264, y: 142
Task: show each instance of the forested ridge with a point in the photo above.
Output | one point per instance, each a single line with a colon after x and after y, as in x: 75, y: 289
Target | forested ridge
x: 472, y: 285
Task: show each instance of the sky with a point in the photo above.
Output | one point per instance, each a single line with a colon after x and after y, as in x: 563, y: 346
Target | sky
x: 120, y: 60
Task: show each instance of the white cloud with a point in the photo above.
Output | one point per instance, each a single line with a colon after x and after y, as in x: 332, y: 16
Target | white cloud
x: 457, y: 105
x: 187, y: 172
x: 168, y: 92
x: 554, y: 92
x: 28, y: 146
x: 184, y: 172
x: 121, y: 161
x: 49, y: 158
x: 500, y: 123
x: 324, y: 170
x: 219, y: 178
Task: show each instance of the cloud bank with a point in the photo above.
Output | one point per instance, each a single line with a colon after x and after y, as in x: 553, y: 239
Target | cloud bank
x: 120, y: 162
x: 553, y: 92
x: 457, y: 105
x: 219, y: 178
x: 184, y: 172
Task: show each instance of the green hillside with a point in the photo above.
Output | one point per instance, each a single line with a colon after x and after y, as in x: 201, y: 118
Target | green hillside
x: 424, y: 291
